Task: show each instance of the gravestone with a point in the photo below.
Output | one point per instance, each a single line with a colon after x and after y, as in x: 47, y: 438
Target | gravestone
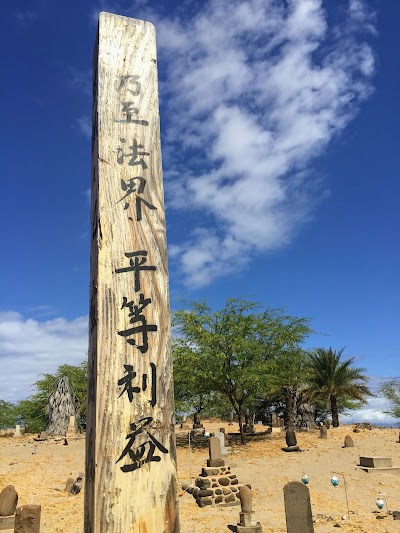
x: 71, y: 430
x: 323, y: 432
x: 8, y: 501
x: 27, y: 519
x: 221, y: 436
x: 298, y: 508
x: 247, y: 522
x: 196, y: 421
x: 291, y: 441
x: 215, y: 457
x: 68, y: 484
x: 274, y: 420
x: 18, y: 432
x: 76, y: 485
x: 348, y: 442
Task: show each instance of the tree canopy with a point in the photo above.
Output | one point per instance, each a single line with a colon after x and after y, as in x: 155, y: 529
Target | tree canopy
x: 391, y: 391
x: 234, y: 351
x: 336, y: 381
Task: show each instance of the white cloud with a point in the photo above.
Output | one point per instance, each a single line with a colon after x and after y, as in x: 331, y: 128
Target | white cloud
x: 84, y: 124
x: 252, y: 92
x: 26, y: 18
x: 373, y: 412
x: 255, y: 91
x: 30, y: 347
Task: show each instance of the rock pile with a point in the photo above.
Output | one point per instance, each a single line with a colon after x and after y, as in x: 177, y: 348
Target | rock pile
x: 216, y: 485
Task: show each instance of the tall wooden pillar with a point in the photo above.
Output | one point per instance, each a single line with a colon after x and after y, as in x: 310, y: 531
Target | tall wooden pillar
x: 130, y: 484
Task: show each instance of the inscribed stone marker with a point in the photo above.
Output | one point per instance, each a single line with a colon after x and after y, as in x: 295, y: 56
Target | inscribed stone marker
x: 298, y: 508
x: 27, y: 519
x: 348, y: 442
x: 130, y: 482
x: 323, y: 432
x: 8, y: 501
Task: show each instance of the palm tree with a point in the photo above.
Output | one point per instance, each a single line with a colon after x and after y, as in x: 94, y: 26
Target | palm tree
x: 333, y: 380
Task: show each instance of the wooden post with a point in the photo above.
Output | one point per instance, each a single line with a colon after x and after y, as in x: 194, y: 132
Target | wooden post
x: 130, y: 482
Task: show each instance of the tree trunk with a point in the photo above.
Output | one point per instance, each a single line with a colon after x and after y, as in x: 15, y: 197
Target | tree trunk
x: 334, y: 411
x: 61, y: 407
x: 289, y: 408
x: 242, y: 439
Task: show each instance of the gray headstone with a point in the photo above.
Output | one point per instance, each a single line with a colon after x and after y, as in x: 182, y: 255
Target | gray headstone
x: 274, y: 420
x: 17, y: 431
x: 68, y: 484
x: 246, y: 498
x: 348, y: 442
x: 221, y: 436
x: 291, y: 439
x: 8, y: 501
x: 214, y: 447
x: 323, y: 432
x: 298, y: 508
x: 27, y: 519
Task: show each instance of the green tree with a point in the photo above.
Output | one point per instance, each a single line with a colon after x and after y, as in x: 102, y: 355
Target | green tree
x: 391, y: 391
x: 293, y: 369
x: 233, y: 351
x: 8, y: 415
x: 336, y: 382
x: 192, y: 394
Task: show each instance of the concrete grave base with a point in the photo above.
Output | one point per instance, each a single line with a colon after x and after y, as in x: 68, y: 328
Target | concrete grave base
x: 389, y: 470
x: 7, y: 522
x: 291, y: 449
x: 378, y: 464
x: 215, y: 462
x: 249, y: 529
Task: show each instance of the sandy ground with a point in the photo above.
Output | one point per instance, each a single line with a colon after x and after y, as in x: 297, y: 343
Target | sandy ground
x: 40, y: 479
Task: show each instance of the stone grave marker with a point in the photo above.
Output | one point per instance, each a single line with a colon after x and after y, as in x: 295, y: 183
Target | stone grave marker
x: 291, y: 441
x: 247, y: 522
x: 298, y: 508
x: 215, y: 457
x: 348, y: 442
x: 8, y: 501
x: 71, y: 430
x: 323, y: 432
x: 70, y: 481
x: 221, y: 436
x: 27, y: 519
x: 274, y: 420
x: 18, y: 432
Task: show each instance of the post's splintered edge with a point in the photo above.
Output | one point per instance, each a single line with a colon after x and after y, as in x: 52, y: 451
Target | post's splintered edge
x: 106, y: 14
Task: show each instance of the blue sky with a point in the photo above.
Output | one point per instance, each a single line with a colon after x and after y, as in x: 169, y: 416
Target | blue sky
x: 280, y: 154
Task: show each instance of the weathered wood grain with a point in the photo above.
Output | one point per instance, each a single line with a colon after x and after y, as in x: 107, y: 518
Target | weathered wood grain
x: 143, y: 500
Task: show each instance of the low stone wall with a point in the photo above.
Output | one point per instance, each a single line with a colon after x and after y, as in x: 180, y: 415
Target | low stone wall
x: 216, y: 486
x: 7, y: 432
